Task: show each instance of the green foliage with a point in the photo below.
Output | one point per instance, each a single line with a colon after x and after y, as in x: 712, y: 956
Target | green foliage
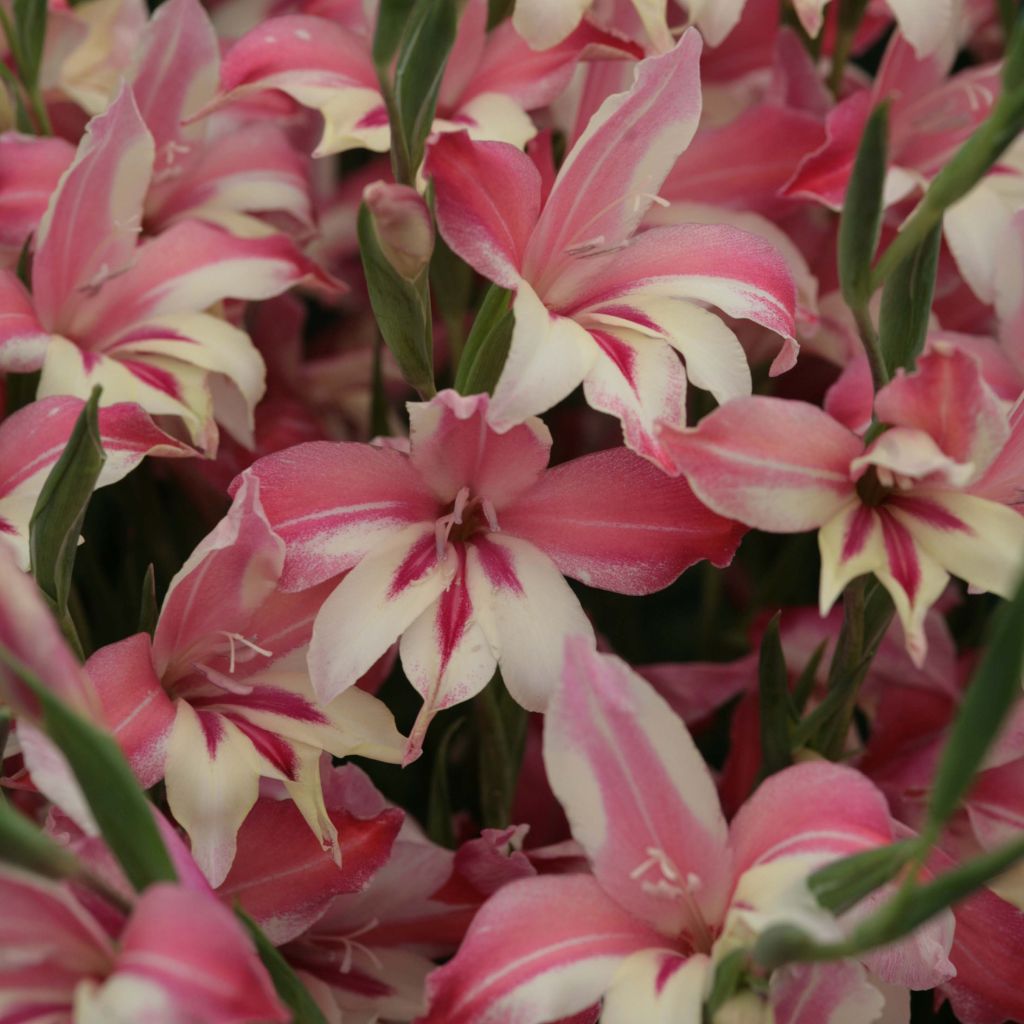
x: 122, y: 812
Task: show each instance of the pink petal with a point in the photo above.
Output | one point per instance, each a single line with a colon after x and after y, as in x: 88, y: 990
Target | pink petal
x: 741, y: 273
x: 251, y: 171
x: 539, y: 949
x: 445, y: 654
x: 825, y: 173
x: 775, y: 464
x: 487, y: 202
x: 762, y: 148
x: 641, y: 381
x: 196, y: 951
x: 453, y: 447
x: 23, y: 339
x: 598, y: 200
x: 373, y: 605
x: 30, y: 168
x: 813, y: 808
x: 332, y: 503
x: 511, y: 67
x: 84, y: 240
x: 824, y: 994
x: 178, y: 62
x: 135, y: 708
x: 282, y: 876
x: 525, y: 610
x: 638, y: 795
x: 29, y: 632
x: 186, y: 269
x: 613, y: 520
x: 230, y: 573
x: 947, y: 398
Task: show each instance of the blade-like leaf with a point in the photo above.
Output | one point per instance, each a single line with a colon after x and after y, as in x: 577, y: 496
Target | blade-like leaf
x: 907, y: 304
x: 30, y: 25
x: 774, y: 704
x: 501, y: 735
x: 149, y: 610
x: 843, y: 883
x: 290, y: 990
x: 487, y: 346
x: 392, y: 21
x: 56, y: 522
x: 994, y: 689
x: 121, y: 810
x: 439, y: 812
x: 861, y: 222
x: 25, y: 846
x: 421, y: 62
x: 399, y: 306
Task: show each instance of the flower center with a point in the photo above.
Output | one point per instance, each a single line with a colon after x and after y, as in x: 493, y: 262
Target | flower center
x: 468, y: 515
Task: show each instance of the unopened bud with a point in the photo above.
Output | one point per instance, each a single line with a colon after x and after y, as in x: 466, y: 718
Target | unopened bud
x: 403, y: 224
x: 746, y: 1008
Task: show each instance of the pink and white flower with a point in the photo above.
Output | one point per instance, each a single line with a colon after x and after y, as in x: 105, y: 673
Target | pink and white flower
x: 33, y: 439
x: 220, y: 698
x: 134, y: 318
x: 490, y: 83
x: 177, y: 956
x: 674, y: 888
x: 596, y: 302
x: 459, y: 547
x: 933, y: 495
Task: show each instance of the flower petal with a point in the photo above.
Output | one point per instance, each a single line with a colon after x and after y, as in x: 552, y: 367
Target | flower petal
x: 526, y: 610
x: 452, y: 446
x: 658, y: 987
x: 373, y: 605
x: 89, y: 231
x: 779, y: 465
x: 538, y: 950
x: 488, y: 199
x: 549, y: 356
x: 194, y: 949
x: 613, y: 520
x: 332, y: 503
x: 638, y: 795
x: 598, y: 200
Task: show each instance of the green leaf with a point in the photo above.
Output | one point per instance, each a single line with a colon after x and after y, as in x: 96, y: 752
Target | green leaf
x: 290, y: 990
x: 30, y: 25
x: 23, y: 121
x: 498, y: 11
x: 56, y: 522
x: 422, y: 57
x: 860, y: 224
x: 843, y: 883
x: 400, y: 308
x: 728, y: 975
x: 439, y: 810
x: 149, y: 610
x: 774, y: 704
x: 25, y: 846
x: 907, y: 304
x: 124, y: 816
x: 487, y: 346
x: 805, y: 683
x: 994, y: 689
x: 392, y: 20
x: 501, y: 735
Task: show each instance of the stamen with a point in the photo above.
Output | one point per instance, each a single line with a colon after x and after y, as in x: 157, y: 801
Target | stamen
x: 232, y: 637
x: 443, y: 526
x: 490, y: 514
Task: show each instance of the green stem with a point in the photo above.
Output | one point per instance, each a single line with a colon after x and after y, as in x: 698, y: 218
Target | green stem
x: 850, y: 14
x: 39, y: 111
x: 966, y: 168
x: 869, y: 339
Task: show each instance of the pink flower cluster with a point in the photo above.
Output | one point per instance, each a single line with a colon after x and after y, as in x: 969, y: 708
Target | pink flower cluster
x: 618, y: 210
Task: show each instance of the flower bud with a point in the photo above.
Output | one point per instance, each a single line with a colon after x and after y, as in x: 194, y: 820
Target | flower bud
x: 403, y: 224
